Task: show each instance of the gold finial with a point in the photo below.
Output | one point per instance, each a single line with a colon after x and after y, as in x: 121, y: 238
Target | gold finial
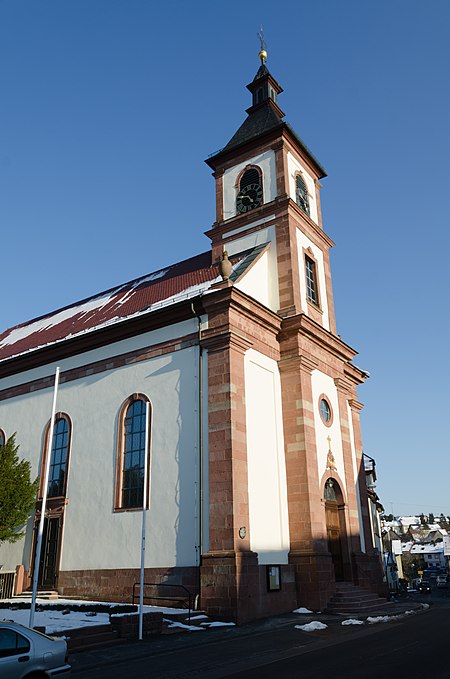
x: 262, y: 52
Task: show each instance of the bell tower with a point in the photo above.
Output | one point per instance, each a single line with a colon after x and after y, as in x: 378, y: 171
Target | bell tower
x: 268, y: 199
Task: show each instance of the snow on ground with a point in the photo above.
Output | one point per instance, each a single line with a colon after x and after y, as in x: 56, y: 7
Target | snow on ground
x: 62, y: 620
x: 380, y: 618
x: 388, y: 618
x: 352, y: 621
x: 55, y: 621
x: 190, y: 628
x: 312, y: 626
x: 302, y: 610
x: 218, y: 624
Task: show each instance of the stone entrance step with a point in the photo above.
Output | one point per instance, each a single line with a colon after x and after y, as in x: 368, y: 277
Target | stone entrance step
x: 349, y: 598
x: 41, y: 594
x: 92, y: 636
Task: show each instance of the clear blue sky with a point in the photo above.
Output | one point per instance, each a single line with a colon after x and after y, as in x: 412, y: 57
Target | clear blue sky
x: 109, y: 107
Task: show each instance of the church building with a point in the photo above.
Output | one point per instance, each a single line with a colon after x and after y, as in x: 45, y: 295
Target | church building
x: 256, y: 495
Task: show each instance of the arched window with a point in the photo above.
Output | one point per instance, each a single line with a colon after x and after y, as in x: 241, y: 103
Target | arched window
x: 250, y: 192
x: 131, y: 454
x: 311, y: 281
x: 301, y: 194
x: 330, y: 491
x: 59, y: 459
x: 2, y: 438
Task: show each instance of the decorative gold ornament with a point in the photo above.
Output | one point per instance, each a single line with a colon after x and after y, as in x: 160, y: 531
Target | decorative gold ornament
x: 331, y: 462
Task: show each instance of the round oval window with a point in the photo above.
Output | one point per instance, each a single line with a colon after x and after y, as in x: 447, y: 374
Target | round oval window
x: 325, y: 411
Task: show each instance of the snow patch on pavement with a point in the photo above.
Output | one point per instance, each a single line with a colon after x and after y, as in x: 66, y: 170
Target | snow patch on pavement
x: 312, y: 626
x: 352, y: 621
x: 190, y: 628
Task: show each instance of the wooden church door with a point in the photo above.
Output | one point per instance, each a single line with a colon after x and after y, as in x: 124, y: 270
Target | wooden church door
x: 333, y: 522
x: 49, y: 553
x: 334, y: 538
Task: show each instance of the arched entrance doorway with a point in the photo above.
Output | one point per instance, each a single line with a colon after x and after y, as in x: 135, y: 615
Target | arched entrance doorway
x: 336, y: 532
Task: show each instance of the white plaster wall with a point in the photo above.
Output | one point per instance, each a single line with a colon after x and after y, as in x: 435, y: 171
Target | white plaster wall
x: 355, y: 476
x: 266, y: 161
x: 304, y: 242
x: 323, y: 384
x: 95, y: 537
x: 294, y: 166
x: 269, y: 523
x: 261, y: 282
x: 256, y: 282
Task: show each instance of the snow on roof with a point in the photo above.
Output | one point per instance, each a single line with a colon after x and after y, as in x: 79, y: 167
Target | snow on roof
x: 423, y: 548
x: 409, y: 520
x: 437, y: 527
x: 391, y: 524
x: 164, y: 287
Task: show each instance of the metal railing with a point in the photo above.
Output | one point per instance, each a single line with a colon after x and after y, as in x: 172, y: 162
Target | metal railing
x: 7, y: 580
x: 185, y: 600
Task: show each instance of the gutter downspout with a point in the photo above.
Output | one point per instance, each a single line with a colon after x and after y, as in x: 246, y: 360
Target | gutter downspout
x: 200, y: 441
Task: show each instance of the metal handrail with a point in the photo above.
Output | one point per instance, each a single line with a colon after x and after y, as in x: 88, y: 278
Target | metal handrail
x: 136, y: 585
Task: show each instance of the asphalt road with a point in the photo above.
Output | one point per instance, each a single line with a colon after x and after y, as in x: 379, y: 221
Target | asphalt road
x: 415, y: 646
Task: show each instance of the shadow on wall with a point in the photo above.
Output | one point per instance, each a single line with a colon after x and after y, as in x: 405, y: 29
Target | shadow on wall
x: 309, y: 579
x: 180, y: 451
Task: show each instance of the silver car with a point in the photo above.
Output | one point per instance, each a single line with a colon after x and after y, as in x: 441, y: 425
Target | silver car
x: 24, y: 652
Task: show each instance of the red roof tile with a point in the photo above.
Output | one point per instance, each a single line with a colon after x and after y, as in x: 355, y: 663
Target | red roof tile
x: 166, y: 286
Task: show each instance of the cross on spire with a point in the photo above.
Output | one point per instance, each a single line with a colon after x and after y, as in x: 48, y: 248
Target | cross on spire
x: 262, y: 52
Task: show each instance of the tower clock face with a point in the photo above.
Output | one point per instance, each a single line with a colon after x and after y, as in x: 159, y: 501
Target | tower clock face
x: 249, y: 197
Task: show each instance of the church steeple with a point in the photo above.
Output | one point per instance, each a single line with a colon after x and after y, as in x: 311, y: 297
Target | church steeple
x: 264, y: 87
x: 265, y: 91
x: 264, y: 114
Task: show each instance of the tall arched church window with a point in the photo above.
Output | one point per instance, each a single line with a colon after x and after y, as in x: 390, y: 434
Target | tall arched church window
x: 250, y: 192
x: 311, y: 281
x: 59, y: 457
x: 2, y: 438
x: 301, y: 194
x: 131, y: 454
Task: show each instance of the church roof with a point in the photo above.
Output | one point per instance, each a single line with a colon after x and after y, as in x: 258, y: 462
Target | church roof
x: 259, y: 122
x: 164, y: 287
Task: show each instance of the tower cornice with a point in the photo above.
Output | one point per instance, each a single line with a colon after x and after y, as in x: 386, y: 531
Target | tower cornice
x: 303, y: 325
x: 267, y: 215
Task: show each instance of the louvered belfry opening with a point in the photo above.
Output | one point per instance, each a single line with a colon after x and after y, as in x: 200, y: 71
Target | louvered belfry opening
x: 249, y: 177
x: 302, y: 194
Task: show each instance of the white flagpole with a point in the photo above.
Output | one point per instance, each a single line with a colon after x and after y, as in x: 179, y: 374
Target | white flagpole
x: 144, y: 507
x: 46, y: 462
